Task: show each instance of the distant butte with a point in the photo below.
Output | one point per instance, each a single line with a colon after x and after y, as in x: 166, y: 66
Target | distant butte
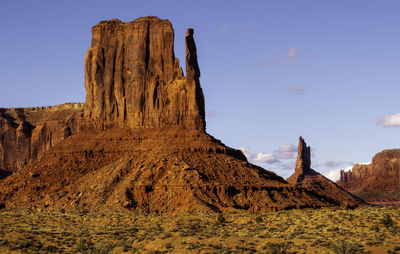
x: 377, y: 182
x: 139, y: 141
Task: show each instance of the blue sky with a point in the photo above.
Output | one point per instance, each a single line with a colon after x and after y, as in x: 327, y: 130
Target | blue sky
x: 271, y: 70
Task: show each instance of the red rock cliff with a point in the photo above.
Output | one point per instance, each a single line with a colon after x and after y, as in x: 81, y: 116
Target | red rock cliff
x: 25, y: 133
x: 377, y: 182
x: 133, y: 79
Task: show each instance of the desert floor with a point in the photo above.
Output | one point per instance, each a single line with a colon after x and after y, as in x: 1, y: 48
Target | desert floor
x: 327, y: 230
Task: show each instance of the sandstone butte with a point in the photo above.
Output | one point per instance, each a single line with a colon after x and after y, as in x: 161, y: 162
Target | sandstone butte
x: 304, y: 176
x: 377, y: 182
x: 139, y: 141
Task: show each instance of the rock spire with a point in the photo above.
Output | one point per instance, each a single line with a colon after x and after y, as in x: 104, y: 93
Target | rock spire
x: 303, y: 162
x: 305, y: 177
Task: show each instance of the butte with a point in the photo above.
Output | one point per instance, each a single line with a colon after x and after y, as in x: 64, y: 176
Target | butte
x: 138, y: 143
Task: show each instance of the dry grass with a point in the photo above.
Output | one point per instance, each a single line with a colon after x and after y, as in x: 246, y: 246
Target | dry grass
x: 329, y: 230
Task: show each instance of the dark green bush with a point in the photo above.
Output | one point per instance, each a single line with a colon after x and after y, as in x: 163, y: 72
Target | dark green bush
x: 387, y: 221
x: 221, y: 219
x: 259, y: 219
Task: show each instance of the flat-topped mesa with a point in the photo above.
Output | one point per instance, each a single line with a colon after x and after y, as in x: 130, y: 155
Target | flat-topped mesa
x: 303, y: 162
x: 133, y: 79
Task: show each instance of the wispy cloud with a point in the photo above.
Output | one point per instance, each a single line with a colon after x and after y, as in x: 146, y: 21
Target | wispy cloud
x: 292, y: 54
x: 390, y: 120
x: 290, y: 58
x: 211, y: 113
x: 334, y: 164
x: 265, y: 62
x: 297, y: 90
x: 287, y: 151
x: 224, y: 28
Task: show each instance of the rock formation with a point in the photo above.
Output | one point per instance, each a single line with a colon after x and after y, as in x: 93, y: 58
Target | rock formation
x: 133, y: 79
x: 141, y: 143
x: 25, y: 133
x: 308, y: 178
x: 378, y: 182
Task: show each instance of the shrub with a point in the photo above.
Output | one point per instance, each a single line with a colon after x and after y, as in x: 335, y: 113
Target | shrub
x: 85, y: 245
x: 375, y: 227
x: 276, y: 248
x: 259, y: 219
x: 221, y: 219
x: 387, y: 221
x: 344, y: 247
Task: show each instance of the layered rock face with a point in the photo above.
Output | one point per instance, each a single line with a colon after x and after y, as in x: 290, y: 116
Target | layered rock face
x: 310, y: 179
x: 378, y: 182
x: 133, y: 79
x: 25, y: 133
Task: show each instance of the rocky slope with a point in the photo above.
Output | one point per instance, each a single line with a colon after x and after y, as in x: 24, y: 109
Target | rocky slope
x: 151, y: 171
x: 25, y: 133
x: 141, y: 143
x: 308, y: 178
x: 378, y: 182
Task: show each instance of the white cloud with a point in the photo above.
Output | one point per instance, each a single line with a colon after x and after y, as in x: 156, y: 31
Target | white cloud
x: 390, y: 120
x: 287, y: 151
x: 246, y: 152
x: 265, y: 157
x: 334, y: 174
x: 297, y: 90
x: 269, y: 158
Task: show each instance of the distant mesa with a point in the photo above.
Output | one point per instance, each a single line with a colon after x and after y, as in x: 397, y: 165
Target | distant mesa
x: 308, y: 178
x: 377, y: 183
x: 139, y: 141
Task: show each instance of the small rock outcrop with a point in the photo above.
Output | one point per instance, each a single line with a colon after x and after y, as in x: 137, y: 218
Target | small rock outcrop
x: 377, y: 182
x: 304, y: 176
x: 133, y: 79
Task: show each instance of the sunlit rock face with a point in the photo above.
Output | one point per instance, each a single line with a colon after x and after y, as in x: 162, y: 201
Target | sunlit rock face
x: 133, y: 79
x: 377, y: 182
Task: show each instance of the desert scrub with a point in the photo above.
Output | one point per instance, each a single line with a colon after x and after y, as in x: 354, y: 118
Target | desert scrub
x: 220, y: 220
x: 344, y: 247
x: 309, y: 230
x: 275, y: 248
